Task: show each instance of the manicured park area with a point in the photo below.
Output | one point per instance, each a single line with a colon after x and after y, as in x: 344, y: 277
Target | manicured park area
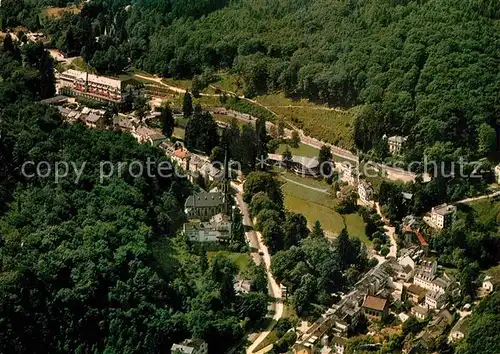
x: 302, y: 150
x: 317, y: 205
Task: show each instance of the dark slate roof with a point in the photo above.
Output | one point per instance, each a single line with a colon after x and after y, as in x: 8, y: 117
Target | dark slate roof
x: 204, y: 199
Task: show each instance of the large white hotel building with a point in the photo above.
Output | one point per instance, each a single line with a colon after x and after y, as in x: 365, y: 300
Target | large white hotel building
x: 80, y: 83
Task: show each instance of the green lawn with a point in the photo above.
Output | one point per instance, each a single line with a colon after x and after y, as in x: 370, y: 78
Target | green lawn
x: 312, y: 182
x: 356, y: 228
x: 320, y: 121
x: 240, y: 259
x: 270, y: 339
x: 302, y: 150
x: 320, y: 206
x: 178, y: 133
x: 494, y: 272
x: 185, y: 84
x: 80, y: 64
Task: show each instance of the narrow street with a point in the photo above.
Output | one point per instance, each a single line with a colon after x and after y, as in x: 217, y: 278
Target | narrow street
x: 256, y: 243
x: 390, y: 231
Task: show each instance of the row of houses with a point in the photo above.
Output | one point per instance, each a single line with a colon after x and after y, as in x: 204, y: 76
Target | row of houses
x: 95, y: 119
x: 92, y: 118
x: 369, y: 298
x: 413, y: 277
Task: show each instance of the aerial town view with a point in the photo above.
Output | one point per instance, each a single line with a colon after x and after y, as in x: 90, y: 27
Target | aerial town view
x: 250, y: 176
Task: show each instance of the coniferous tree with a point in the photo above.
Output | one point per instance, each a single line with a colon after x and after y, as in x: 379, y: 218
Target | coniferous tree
x: 203, y: 260
x: 287, y: 158
x: 8, y: 44
x: 167, y: 121
x: 317, y: 231
x: 187, y: 105
x: 262, y: 140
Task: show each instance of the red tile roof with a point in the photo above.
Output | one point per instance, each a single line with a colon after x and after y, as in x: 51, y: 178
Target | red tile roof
x: 421, y: 238
x: 181, y: 153
x: 375, y: 303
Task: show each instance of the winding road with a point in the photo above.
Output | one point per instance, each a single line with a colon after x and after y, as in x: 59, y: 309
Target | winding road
x: 262, y: 254
x: 392, y: 172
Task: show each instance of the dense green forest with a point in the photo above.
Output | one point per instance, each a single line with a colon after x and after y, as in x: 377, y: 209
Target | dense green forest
x: 427, y: 69
x: 77, y: 271
x: 483, y: 328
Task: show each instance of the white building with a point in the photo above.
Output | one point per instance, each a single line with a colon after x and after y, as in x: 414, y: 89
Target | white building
x: 430, y: 282
x: 443, y: 215
x: 242, y: 286
x: 405, y: 268
x: 365, y: 192
x: 190, y: 346
x: 488, y: 285
x: 147, y: 135
x: 81, y: 83
x: 427, y: 265
x: 217, y: 229
x: 339, y: 344
x: 396, y: 143
x: 435, y: 300
x: 420, y: 312
x: 497, y: 173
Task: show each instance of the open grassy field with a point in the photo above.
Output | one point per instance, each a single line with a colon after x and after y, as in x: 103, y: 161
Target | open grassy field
x: 494, y: 272
x: 315, y: 183
x: 185, y: 84
x: 302, y: 150
x: 79, y: 63
x: 227, y: 119
x: 320, y: 121
x: 279, y: 100
x: 179, y: 133
x: 315, y: 205
x: 240, y: 259
x: 58, y: 12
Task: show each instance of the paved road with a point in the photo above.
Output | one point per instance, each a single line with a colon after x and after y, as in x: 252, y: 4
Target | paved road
x: 470, y: 200
x: 392, y: 173
x: 256, y: 242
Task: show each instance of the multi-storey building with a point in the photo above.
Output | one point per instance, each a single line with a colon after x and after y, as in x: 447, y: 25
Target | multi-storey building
x: 375, y: 307
x: 80, y: 83
x: 443, y: 215
x: 435, y: 299
x: 217, y: 229
x: 431, y: 282
x: 396, y: 143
